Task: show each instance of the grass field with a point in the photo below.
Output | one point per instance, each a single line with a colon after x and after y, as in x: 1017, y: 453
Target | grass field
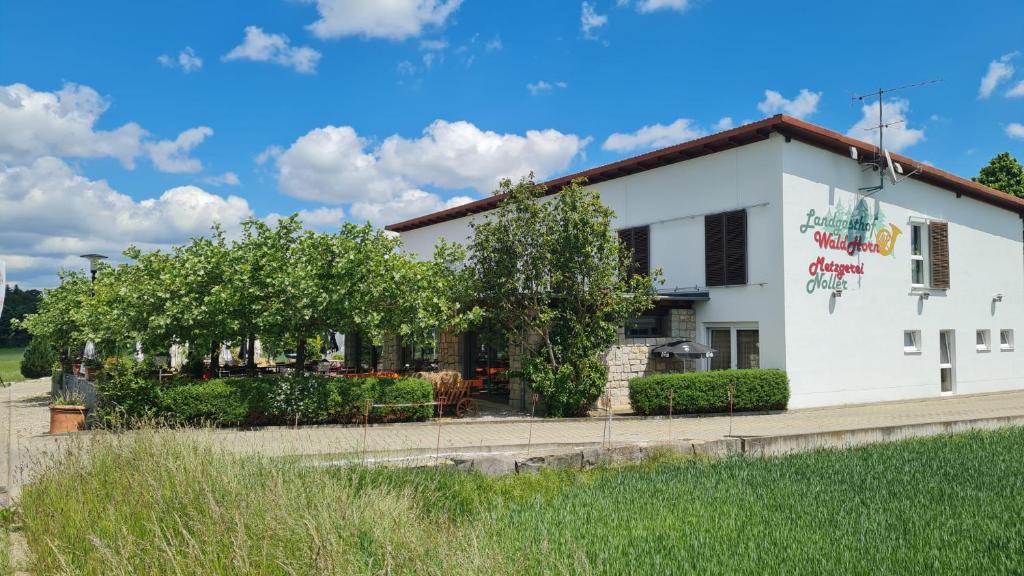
x: 10, y: 364
x: 147, y: 504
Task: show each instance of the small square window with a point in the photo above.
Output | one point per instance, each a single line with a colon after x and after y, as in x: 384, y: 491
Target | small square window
x: 1006, y: 339
x: 982, y: 340
x: 911, y: 341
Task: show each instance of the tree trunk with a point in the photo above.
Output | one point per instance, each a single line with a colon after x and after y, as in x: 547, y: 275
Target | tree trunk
x: 214, y: 358
x: 300, y: 356
x: 250, y: 355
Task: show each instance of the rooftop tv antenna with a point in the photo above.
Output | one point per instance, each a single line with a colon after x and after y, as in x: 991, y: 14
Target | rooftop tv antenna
x: 882, y: 163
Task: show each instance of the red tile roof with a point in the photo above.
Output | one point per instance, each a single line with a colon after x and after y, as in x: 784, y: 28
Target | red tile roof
x: 740, y: 136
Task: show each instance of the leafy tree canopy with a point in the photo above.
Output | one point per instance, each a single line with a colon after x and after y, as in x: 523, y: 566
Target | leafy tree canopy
x: 1004, y: 173
x: 553, y: 276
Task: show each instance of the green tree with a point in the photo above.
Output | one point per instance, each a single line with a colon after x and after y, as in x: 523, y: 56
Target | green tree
x: 59, y: 318
x: 38, y: 359
x: 17, y: 304
x: 554, y: 277
x: 1004, y: 173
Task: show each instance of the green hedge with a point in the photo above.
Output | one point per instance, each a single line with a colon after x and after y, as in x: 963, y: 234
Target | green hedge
x: 283, y: 400
x: 213, y: 402
x: 702, y: 392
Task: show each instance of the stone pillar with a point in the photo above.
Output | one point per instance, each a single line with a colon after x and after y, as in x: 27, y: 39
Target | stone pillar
x: 519, y: 390
x: 631, y: 357
x: 390, y: 355
x: 449, y: 351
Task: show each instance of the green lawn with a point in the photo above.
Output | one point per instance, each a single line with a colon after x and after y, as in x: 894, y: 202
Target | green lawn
x: 947, y: 505
x: 10, y: 364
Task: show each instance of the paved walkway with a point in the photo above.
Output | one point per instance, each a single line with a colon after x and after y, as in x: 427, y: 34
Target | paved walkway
x: 32, y: 445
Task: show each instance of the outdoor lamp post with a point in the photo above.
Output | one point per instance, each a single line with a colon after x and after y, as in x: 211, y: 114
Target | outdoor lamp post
x: 93, y: 259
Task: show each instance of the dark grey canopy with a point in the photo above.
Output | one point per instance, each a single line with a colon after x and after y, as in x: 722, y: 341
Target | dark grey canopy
x: 682, y: 349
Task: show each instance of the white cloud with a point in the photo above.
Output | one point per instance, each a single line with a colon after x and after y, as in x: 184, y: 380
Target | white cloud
x: 999, y: 70
x: 49, y: 213
x: 542, y: 86
x: 330, y: 164
x: 172, y: 155
x: 648, y: 6
x: 1015, y: 130
x: 591, y: 20
x: 805, y: 103
x: 62, y: 123
x: 1017, y: 91
x: 393, y: 19
x: 270, y: 153
x: 334, y: 164
x: 654, y: 136
x: 225, y: 179
x: 408, y: 204
x: 723, y: 124
x: 262, y: 47
x: 457, y: 155
x: 494, y: 44
x: 898, y: 136
x: 186, y: 60
x: 323, y: 218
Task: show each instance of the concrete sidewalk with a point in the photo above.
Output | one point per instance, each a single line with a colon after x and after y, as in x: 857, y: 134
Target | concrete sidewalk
x: 458, y: 437
x: 497, y: 435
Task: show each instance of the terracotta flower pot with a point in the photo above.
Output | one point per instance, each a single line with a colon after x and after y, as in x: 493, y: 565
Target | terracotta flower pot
x: 65, y: 419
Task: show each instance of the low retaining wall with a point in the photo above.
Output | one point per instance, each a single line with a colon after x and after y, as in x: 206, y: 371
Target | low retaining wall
x: 762, y: 446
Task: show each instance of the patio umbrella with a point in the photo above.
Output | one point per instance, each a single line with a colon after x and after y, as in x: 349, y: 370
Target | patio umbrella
x: 225, y: 356
x: 90, y: 351
x: 683, y: 349
x: 3, y: 285
x: 177, y: 356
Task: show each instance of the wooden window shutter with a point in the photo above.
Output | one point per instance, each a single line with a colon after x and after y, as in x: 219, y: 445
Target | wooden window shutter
x: 638, y: 241
x: 736, y: 247
x: 939, y: 254
x: 714, y: 250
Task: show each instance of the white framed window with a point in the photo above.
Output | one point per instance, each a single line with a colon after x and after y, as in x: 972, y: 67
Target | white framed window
x: 911, y: 341
x: 947, y: 358
x: 736, y: 346
x: 983, y: 340
x: 1006, y: 339
x: 918, y: 255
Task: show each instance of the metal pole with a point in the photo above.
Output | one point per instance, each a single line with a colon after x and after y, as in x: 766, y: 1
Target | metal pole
x: 366, y: 427
x: 881, y: 149
x: 533, y: 411
x: 671, y: 392
x: 732, y: 392
x: 437, y: 449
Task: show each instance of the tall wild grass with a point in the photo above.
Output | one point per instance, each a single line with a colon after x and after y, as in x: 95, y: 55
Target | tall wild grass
x: 148, y: 504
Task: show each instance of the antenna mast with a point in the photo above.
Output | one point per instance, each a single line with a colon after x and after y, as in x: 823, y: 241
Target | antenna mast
x: 879, y: 164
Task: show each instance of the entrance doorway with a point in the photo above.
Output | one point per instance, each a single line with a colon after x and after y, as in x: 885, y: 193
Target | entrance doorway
x: 947, y: 361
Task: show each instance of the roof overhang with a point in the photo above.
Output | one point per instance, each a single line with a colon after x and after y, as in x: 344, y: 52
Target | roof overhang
x: 741, y: 136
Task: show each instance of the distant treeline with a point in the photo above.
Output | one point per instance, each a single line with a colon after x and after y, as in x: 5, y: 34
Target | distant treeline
x: 17, y: 304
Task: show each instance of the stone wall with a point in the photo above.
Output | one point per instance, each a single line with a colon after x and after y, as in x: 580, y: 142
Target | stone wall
x: 390, y: 355
x: 449, y: 351
x: 631, y: 357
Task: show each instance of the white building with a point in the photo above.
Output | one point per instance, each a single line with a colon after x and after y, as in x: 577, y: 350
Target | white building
x: 913, y: 291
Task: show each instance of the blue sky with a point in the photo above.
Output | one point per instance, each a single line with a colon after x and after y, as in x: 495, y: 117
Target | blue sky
x: 131, y: 122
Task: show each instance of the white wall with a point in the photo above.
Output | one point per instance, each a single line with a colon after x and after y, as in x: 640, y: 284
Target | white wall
x: 850, y: 349
x: 673, y: 200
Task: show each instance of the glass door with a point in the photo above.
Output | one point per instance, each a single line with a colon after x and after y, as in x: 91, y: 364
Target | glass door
x: 947, y: 356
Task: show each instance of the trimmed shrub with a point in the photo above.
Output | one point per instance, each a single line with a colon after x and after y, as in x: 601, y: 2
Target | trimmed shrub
x: 126, y: 394
x: 403, y: 391
x: 214, y: 401
x: 38, y: 359
x: 702, y: 392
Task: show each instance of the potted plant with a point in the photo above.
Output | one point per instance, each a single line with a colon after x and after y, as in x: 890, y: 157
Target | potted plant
x: 67, y: 413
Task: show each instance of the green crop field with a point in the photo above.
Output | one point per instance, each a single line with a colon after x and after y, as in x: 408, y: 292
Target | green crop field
x: 10, y: 364
x: 150, y: 504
